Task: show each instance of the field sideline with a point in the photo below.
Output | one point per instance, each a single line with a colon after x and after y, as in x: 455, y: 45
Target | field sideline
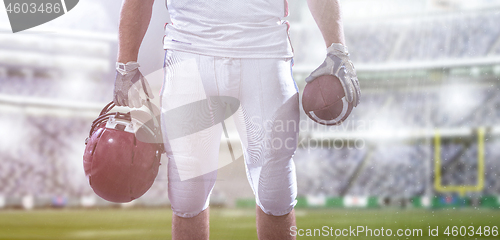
x: 144, y: 224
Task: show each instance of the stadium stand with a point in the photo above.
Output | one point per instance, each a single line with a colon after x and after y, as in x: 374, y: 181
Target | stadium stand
x: 447, y: 36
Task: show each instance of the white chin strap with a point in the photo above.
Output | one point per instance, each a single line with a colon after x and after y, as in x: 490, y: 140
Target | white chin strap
x: 333, y: 121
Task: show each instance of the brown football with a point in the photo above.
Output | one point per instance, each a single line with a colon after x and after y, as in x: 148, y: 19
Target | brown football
x: 324, y: 101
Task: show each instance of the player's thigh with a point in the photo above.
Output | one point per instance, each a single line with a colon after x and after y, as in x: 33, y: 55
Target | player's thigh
x: 268, y: 120
x: 191, y: 136
x: 192, y: 145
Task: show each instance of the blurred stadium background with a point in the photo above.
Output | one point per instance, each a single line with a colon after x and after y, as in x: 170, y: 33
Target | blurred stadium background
x: 425, y: 135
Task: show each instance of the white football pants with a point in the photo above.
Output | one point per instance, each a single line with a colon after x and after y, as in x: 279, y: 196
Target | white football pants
x: 267, y: 117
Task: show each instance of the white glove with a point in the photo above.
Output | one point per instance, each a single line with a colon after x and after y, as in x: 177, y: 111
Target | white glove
x: 129, y: 84
x: 338, y: 64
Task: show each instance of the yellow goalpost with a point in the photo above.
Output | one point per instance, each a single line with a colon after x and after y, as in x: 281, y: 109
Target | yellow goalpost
x: 461, y: 189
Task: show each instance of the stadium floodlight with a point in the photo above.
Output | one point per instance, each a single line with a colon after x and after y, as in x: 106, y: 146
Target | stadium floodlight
x: 461, y: 189
x: 458, y: 100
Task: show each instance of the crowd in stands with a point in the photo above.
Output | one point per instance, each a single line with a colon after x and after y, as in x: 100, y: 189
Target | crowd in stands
x: 45, y: 159
x: 424, y: 38
x: 65, y: 89
x: 427, y: 38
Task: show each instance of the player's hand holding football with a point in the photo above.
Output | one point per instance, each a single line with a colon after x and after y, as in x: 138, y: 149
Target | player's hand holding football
x: 337, y: 63
x: 129, y: 85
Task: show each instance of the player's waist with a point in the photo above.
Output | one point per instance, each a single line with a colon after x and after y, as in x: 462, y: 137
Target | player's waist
x: 230, y: 39
x: 234, y: 52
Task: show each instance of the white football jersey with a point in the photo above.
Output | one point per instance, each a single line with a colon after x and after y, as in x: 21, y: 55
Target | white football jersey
x: 229, y: 28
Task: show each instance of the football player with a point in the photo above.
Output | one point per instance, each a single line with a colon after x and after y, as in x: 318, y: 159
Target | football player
x: 239, y: 49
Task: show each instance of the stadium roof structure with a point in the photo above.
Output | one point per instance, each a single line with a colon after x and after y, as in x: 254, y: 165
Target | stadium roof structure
x: 431, y: 64
x: 416, y: 65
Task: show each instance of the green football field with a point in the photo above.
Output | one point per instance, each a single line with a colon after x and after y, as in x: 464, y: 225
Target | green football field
x: 145, y: 224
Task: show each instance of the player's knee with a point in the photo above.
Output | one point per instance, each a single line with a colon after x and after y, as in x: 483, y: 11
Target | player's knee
x: 188, y: 206
x: 276, y: 207
x: 190, y: 197
x: 277, y: 189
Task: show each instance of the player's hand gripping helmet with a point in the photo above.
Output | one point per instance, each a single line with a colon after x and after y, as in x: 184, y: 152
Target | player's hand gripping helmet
x: 123, y: 152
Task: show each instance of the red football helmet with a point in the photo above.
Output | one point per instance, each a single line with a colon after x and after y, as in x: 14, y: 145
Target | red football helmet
x: 122, y: 155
